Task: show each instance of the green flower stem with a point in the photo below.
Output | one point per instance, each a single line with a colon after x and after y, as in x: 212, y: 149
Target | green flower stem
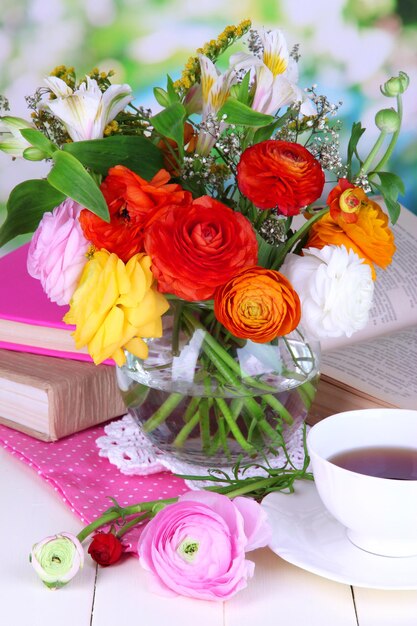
x: 309, y: 391
x: 191, y: 408
x: 131, y: 523
x: 394, y: 138
x: 115, y: 513
x: 215, y: 442
x: 205, y: 405
x: 298, y: 235
x: 220, y: 352
x: 186, y: 430
x: 163, y: 412
x: 234, y: 428
x: 223, y: 435
x: 304, y: 397
x: 249, y: 401
x: 373, y: 153
x: 277, y: 406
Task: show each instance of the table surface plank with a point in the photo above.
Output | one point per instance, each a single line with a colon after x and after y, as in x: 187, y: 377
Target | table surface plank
x: 279, y: 591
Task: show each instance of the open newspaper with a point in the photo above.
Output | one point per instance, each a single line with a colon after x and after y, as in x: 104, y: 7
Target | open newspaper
x: 378, y: 365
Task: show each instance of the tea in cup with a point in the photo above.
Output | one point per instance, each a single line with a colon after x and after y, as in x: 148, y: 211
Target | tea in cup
x: 365, y: 469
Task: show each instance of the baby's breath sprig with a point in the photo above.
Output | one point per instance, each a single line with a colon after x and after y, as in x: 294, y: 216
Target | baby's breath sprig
x: 45, y: 121
x: 212, y: 49
x: 4, y: 104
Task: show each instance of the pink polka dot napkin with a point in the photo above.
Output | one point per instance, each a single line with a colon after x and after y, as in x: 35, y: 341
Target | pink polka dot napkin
x: 83, y: 479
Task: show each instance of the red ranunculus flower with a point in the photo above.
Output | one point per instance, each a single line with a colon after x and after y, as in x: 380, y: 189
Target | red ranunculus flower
x: 281, y: 175
x: 196, y: 248
x: 133, y: 203
x: 105, y: 549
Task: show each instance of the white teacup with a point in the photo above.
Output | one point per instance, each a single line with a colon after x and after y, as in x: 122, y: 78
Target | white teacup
x: 380, y: 514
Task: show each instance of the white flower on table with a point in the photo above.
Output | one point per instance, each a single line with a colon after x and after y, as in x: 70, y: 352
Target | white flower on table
x: 335, y: 287
x: 57, y: 559
x: 86, y: 111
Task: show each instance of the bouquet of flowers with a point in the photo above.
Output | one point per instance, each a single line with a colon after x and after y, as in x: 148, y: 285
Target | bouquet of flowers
x: 211, y: 209
x: 215, y: 210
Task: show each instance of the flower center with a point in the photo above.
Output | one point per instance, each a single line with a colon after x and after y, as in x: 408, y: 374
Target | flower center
x: 274, y: 62
x: 252, y: 309
x: 188, y: 549
x: 349, y: 202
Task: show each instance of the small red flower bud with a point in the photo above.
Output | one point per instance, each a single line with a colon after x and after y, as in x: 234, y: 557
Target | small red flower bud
x: 105, y: 548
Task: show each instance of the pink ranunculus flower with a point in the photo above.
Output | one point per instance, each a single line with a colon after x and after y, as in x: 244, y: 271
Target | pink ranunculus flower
x: 57, y: 252
x: 196, y: 547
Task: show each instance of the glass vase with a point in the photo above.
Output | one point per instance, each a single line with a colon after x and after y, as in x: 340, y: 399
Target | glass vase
x: 211, y: 399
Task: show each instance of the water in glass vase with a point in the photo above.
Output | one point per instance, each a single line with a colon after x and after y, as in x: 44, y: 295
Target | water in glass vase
x: 218, y: 431
x: 212, y: 400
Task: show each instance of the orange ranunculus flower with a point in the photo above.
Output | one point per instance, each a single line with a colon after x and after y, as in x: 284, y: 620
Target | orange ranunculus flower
x: 280, y: 174
x: 370, y: 236
x: 345, y: 201
x: 258, y: 304
x: 115, y: 306
x: 196, y: 248
x: 133, y: 203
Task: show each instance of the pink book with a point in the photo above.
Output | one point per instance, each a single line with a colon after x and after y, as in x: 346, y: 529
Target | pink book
x: 29, y: 321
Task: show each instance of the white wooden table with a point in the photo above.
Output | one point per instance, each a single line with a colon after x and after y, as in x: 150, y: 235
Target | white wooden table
x: 279, y: 593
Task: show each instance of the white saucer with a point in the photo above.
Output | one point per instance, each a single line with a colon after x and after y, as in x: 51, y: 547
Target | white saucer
x: 306, y: 535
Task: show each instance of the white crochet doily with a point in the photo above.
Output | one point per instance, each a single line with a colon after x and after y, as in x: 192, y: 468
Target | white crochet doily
x: 126, y: 446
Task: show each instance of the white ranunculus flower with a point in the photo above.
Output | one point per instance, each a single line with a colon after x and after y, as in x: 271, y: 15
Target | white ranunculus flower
x: 335, y: 287
x: 57, y: 559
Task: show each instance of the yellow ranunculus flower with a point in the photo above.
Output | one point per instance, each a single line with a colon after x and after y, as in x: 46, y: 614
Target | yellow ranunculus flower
x: 115, y: 306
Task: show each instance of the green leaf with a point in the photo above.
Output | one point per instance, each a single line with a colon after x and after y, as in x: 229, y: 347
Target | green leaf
x: 391, y: 187
x: 38, y: 140
x: 262, y: 134
x: 70, y: 177
x: 139, y: 154
x: 170, y: 123
x: 243, y: 115
x: 26, y: 205
x: 394, y: 208
x: 356, y: 134
x: 267, y: 254
x: 242, y: 91
x: 172, y: 94
x: 391, y: 184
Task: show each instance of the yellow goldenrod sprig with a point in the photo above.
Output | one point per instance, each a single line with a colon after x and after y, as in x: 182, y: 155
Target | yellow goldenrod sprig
x: 212, y: 49
x: 111, y: 128
x: 67, y: 74
x: 102, y: 78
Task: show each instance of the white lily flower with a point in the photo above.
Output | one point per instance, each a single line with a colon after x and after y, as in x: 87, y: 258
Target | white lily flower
x: 276, y: 75
x: 86, y: 111
x: 11, y: 140
x: 215, y: 89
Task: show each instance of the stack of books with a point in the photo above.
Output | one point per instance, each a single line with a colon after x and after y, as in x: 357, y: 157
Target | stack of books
x: 47, y: 388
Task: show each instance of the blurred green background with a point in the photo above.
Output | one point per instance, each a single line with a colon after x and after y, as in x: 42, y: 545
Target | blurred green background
x: 348, y: 48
